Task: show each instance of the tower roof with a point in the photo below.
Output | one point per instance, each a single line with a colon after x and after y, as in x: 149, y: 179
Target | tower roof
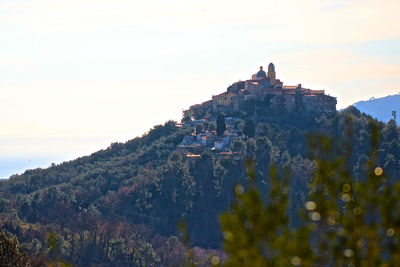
x: 271, y: 66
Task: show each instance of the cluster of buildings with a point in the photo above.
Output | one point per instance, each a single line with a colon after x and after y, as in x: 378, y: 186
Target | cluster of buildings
x: 262, y: 90
x: 264, y: 86
x: 208, y: 139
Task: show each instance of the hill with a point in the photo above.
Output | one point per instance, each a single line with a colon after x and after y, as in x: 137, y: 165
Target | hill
x: 121, y: 205
x: 381, y: 108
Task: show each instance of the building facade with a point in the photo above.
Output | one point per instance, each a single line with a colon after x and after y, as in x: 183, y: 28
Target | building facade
x: 266, y: 87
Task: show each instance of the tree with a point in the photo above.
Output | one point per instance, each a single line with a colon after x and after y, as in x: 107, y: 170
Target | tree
x: 249, y: 128
x: 237, y: 145
x: 262, y: 129
x: 239, y: 124
x: 186, y: 118
x: 199, y: 128
x: 346, y: 222
x: 10, y: 256
x: 221, y: 126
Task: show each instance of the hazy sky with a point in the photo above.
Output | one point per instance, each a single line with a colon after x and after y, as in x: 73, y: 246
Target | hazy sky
x: 76, y: 75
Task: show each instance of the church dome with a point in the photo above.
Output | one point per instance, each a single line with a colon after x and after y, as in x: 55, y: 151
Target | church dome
x: 261, y: 73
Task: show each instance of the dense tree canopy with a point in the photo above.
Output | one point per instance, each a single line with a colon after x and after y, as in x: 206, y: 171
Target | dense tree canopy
x: 10, y: 256
x: 121, y: 205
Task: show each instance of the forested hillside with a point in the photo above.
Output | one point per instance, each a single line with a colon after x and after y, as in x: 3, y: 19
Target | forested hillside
x: 121, y: 206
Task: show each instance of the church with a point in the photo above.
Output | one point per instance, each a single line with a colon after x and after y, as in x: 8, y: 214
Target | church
x: 264, y: 86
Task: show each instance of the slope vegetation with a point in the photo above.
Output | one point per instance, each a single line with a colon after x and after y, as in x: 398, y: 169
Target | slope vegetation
x: 122, y: 205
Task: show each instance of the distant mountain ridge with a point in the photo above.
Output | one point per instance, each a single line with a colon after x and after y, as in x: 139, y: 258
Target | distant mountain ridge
x: 381, y: 108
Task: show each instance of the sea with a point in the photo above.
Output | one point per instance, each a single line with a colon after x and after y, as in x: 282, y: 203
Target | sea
x: 20, y: 154
x: 11, y: 166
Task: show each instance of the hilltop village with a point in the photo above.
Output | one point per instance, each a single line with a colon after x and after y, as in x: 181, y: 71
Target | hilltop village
x: 261, y: 96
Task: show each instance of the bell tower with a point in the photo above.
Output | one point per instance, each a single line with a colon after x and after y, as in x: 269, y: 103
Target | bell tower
x: 271, y: 73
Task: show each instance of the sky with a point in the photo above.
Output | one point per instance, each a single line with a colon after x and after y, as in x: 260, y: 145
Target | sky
x: 77, y: 75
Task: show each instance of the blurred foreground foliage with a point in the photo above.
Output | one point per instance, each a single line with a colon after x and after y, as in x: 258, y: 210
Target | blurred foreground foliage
x: 346, y: 221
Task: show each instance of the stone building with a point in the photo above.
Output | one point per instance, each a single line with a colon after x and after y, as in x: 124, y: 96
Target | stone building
x: 264, y: 86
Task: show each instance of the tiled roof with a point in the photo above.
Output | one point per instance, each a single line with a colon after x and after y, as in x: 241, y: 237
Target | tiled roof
x: 290, y: 87
x: 193, y: 155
